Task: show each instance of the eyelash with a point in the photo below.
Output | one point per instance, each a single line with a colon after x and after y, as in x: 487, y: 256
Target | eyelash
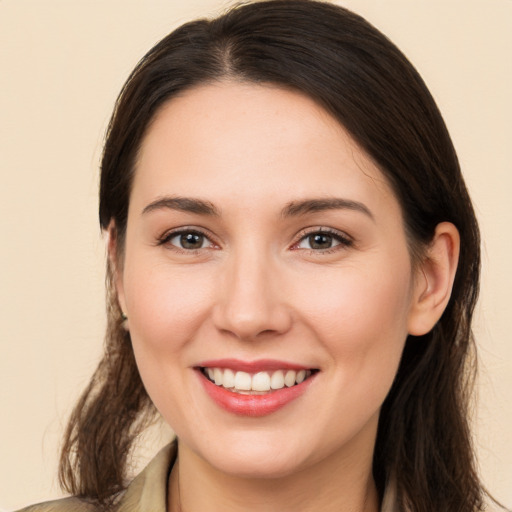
x: 343, y: 240
x: 169, y: 235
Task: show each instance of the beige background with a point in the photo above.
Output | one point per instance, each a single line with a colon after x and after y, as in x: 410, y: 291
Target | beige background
x: 62, y: 64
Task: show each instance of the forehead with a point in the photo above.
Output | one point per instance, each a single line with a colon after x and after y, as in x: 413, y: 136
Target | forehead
x: 252, y: 142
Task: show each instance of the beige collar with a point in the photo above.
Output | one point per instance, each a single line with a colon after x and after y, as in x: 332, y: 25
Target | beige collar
x: 148, y: 491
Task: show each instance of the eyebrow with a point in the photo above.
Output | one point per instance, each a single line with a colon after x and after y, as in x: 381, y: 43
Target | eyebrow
x: 183, y: 204
x: 292, y: 209
x: 296, y: 208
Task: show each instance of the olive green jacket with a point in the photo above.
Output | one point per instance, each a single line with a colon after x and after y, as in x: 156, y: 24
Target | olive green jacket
x: 148, y: 491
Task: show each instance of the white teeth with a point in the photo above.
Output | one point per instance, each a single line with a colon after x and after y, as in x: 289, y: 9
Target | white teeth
x: 277, y: 380
x: 289, y: 378
x: 301, y: 375
x: 259, y: 382
x: 218, y: 376
x: 229, y: 379
x: 243, y: 381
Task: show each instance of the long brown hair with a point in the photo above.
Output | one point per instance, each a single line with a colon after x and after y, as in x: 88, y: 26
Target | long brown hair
x: 337, y: 58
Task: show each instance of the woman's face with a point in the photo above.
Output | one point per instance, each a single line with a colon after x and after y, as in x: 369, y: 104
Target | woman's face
x: 262, y: 240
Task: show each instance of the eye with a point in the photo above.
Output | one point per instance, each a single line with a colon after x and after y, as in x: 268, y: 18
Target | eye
x: 323, y: 240
x: 188, y: 240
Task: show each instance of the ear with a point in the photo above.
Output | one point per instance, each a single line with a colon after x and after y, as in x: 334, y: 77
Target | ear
x: 115, y: 262
x: 434, y: 280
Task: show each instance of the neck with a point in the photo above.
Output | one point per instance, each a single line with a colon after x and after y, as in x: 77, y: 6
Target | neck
x: 329, y: 486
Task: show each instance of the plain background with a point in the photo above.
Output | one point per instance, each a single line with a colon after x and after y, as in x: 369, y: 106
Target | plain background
x: 62, y: 64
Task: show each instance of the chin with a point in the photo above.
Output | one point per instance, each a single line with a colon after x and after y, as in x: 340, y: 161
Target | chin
x: 254, y: 459
x: 260, y: 466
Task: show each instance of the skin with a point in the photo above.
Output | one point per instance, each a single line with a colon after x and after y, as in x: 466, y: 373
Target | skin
x: 256, y: 288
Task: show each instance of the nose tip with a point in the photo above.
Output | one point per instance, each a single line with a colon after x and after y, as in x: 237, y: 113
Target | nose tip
x: 246, y: 322
x: 252, y: 305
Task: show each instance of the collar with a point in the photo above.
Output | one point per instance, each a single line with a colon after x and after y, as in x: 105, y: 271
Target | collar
x: 148, y: 491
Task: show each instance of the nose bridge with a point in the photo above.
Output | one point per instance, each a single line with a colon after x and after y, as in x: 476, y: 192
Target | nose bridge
x: 251, y: 301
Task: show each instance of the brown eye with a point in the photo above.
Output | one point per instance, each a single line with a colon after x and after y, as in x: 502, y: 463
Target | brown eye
x: 191, y: 241
x: 188, y: 240
x: 323, y: 240
x: 320, y: 241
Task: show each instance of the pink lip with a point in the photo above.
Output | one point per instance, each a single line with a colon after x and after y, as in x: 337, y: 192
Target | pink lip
x: 260, y: 365
x: 252, y: 405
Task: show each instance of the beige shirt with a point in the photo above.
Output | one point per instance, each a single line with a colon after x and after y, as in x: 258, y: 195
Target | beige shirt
x: 148, y: 491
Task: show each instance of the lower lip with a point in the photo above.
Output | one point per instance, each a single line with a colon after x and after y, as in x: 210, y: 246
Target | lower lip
x: 253, y: 405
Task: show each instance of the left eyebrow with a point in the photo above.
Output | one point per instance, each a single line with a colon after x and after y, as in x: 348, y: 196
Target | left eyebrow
x: 296, y: 208
x: 184, y: 204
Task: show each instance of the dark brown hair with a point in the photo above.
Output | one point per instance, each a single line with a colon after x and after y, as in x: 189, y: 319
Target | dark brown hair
x: 353, y: 71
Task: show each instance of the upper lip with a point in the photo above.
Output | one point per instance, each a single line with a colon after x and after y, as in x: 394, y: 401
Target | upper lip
x: 259, y: 365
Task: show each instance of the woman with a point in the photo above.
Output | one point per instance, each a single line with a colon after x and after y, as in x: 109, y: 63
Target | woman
x: 293, y: 267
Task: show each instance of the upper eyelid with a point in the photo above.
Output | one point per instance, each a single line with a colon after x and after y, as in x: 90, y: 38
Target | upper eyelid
x: 322, y: 229
x: 303, y: 233
x: 171, y: 233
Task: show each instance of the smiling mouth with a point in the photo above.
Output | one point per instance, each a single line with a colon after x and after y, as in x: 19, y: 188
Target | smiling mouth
x: 260, y: 383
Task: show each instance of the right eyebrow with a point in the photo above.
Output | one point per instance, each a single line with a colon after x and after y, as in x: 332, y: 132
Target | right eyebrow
x: 307, y: 206
x: 183, y: 204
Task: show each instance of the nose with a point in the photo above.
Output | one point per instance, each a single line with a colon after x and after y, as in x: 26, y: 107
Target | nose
x: 252, y: 299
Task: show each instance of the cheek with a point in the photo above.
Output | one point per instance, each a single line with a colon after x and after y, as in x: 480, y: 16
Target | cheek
x: 360, y: 316
x: 166, y: 310
x: 165, y: 307
x: 354, y: 302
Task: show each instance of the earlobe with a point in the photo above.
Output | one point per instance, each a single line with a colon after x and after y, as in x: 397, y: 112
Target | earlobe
x: 434, y: 279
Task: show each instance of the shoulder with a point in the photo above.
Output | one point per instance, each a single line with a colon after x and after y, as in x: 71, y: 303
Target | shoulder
x: 146, y: 493
x: 62, y: 505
